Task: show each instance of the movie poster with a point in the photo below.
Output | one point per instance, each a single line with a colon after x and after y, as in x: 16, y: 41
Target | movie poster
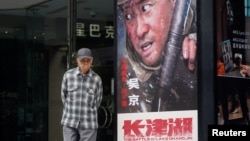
x: 233, y: 62
x: 156, y: 70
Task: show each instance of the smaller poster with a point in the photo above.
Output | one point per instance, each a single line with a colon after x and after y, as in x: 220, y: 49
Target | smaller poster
x: 227, y: 55
x: 233, y: 63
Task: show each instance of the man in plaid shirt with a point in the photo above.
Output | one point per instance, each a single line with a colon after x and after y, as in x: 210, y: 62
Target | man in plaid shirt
x: 81, y: 94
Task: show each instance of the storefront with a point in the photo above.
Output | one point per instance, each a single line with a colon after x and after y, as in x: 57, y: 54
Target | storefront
x: 38, y: 44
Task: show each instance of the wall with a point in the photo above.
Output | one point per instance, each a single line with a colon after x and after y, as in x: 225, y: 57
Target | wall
x: 56, y: 70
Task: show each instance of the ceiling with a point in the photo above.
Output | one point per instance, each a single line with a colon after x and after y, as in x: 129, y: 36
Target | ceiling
x: 18, y: 4
x: 86, y: 9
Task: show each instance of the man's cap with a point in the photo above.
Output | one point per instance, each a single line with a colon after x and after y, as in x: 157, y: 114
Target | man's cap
x: 84, y: 53
x: 238, y: 55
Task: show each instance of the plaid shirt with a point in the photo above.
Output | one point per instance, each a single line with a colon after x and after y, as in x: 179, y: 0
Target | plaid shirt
x: 81, y: 96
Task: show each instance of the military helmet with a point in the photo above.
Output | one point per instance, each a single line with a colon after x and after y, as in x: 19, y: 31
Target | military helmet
x: 121, y: 2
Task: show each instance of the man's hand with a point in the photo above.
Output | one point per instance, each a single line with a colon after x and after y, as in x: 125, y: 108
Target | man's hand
x: 189, y: 48
x: 245, y: 69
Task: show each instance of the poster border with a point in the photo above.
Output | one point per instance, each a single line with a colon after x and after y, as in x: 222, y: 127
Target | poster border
x: 206, y: 67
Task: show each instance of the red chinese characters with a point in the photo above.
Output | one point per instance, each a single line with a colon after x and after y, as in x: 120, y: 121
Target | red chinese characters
x: 124, y: 91
x: 158, y: 129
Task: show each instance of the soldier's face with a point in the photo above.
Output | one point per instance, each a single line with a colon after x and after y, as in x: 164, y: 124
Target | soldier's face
x: 147, y: 24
